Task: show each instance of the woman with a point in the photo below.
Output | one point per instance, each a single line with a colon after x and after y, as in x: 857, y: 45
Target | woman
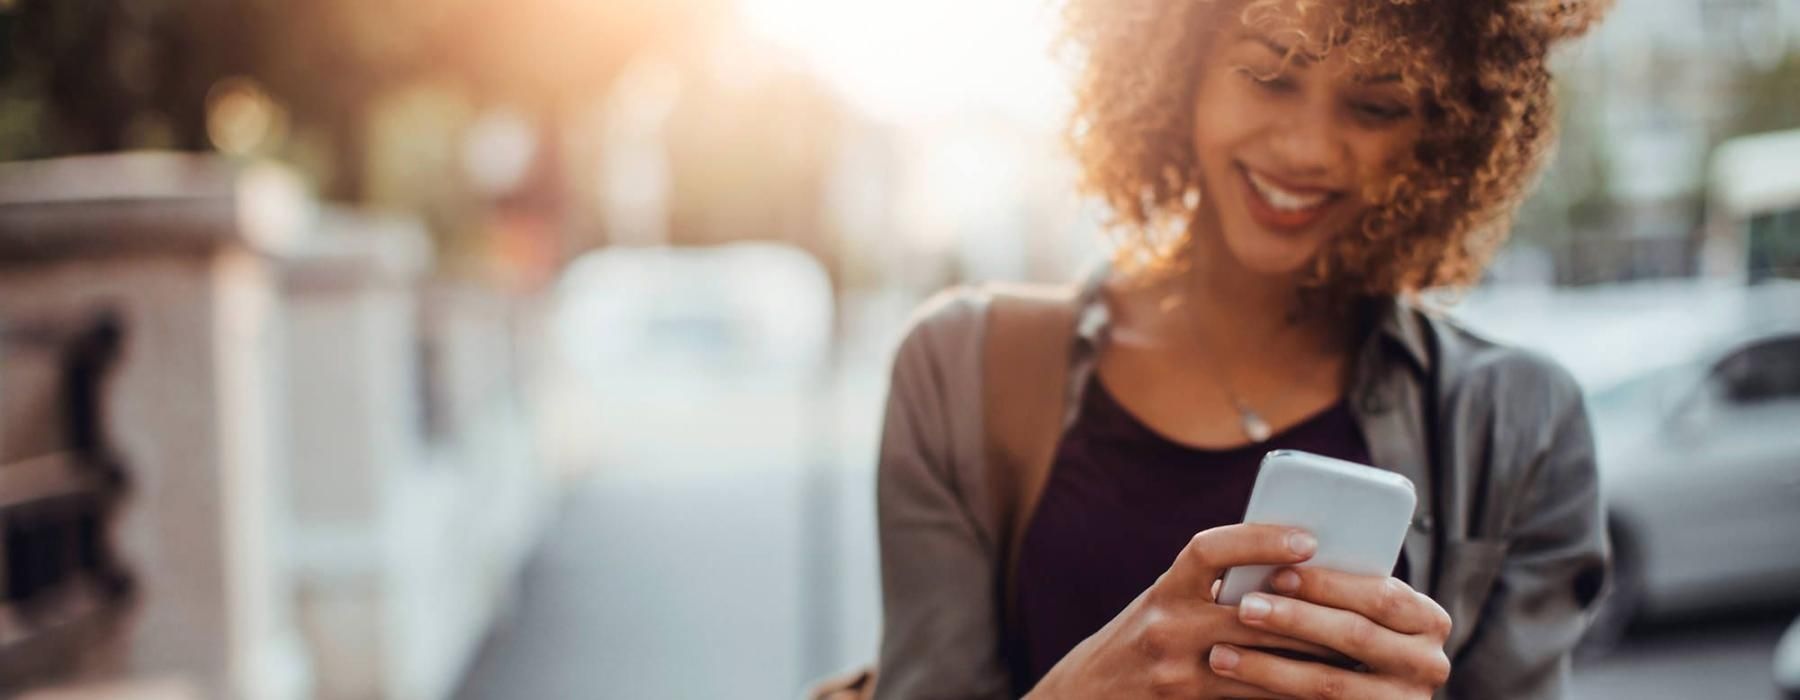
x: 1286, y: 175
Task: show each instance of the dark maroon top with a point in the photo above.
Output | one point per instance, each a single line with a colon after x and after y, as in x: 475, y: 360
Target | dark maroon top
x: 1121, y: 502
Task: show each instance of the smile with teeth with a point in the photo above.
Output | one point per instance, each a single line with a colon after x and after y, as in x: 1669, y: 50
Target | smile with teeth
x: 1282, y: 200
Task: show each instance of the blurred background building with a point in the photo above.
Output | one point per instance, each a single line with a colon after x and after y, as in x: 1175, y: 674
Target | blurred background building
x: 464, y: 348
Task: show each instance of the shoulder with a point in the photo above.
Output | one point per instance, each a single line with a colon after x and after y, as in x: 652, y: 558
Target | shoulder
x: 1472, y: 363
x: 933, y: 427
x: 942, y: 332
x: 1513, y: 422
x: 1508, y: 407
x: 951, y: 324
x: 950, y: 314
x: 936, y: 369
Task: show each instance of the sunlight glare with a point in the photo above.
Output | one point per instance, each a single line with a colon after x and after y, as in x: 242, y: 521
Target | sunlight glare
x: 924, y: 59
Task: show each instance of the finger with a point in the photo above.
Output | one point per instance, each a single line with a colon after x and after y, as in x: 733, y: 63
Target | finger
x: 1242, y: 635
x: 1299, y: 679
x: 1386, y: 600
x: 1222, y: 687
x: 1203, y: 625
x: 1310, y: 653
x: 1387, y: 651
x: 1220, y: 548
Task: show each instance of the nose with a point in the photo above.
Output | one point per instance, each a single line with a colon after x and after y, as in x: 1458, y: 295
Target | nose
x: 1306, y: 143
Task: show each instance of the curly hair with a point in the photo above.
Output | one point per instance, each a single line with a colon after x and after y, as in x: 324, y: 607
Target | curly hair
x: 1479, y: 66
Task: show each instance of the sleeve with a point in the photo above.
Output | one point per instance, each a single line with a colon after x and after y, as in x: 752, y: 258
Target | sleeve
x: 1555, y: 566
x: 938, y: 577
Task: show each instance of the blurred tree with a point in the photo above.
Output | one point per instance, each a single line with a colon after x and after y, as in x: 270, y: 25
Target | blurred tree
x: 113, y: 74
x: 106, y: 75
x: 80, y: 63
x: 1573, y: 200
x: 1770, y: 99
x: 116, y: 75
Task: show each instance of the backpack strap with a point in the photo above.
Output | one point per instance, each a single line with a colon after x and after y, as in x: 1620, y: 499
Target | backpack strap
x: 1025, y: 362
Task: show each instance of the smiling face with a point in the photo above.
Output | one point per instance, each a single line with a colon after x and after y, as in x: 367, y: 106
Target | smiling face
x: 1288, y: 143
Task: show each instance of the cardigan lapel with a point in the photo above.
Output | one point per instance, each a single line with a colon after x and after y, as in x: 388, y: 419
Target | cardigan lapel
x: 1387, y: 399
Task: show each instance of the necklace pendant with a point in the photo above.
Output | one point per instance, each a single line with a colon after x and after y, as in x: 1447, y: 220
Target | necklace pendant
x: 1255, y: 427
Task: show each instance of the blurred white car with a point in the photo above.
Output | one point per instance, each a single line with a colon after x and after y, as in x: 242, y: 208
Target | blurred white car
x: 1694, y: 391
x: 1703, y: 479
x: 1787, y: 662
x: 675, y: 356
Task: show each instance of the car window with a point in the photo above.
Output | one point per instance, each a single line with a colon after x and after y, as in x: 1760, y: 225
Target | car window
x: 1774, y: 245
x: 1768, y: 370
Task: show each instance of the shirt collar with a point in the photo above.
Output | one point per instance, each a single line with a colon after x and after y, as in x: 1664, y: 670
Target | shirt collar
x: 1395, y: 320
x: 1399, y: 322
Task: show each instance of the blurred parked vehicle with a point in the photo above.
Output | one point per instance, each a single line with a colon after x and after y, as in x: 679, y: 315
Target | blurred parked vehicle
x: 662, y: 340
x: 1753, y: 212
x: 745, y: 312
x: 1694, y: 391
x: 1787, y: 662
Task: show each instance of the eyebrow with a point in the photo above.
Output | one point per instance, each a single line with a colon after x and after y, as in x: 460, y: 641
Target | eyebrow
x: 1287, y: 52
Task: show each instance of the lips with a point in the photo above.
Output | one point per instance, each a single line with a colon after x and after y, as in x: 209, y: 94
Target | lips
x: 1282, y: 207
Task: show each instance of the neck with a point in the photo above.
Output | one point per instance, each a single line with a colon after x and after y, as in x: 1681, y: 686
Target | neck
x: 1251, y: 317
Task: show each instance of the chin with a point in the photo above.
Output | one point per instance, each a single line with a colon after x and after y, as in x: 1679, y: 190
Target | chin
x: 1271, y: 254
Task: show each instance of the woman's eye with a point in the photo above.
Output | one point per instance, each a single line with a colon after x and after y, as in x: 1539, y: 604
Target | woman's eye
x: 1270, y: 79
x: 1380, y: 112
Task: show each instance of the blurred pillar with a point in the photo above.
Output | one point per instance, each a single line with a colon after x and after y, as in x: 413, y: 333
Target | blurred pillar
x: 177, y: 249
x: 350, y: 315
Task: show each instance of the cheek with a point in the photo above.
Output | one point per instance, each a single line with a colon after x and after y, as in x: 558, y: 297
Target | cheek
x: 1380, y: 158
x: 1221, y: 117
x: 1205, y: 131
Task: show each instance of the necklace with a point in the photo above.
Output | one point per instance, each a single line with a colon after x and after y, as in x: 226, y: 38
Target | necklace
x: 1255, y: 427
x: 1253, y: 424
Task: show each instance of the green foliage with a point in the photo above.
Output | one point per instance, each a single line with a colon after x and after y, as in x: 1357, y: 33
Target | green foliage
x: 102, y: 75
x: 1771, y: 99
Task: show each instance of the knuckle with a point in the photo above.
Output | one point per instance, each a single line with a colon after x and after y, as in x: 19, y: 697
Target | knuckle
x: 1435, y: 669
x: 1173, y: 681
x: 1157, y: 638
x: 1390, y: 601
x: 1328, y: 687
x: 1198, y: 551
x: 1362, y: 633
x: 1441, y: 624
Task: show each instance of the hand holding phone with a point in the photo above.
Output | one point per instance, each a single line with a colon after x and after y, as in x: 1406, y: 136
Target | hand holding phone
x: 1358, y: 513
x: 1386, y: 640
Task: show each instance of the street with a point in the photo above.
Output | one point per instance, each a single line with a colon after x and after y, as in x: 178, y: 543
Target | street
x: 1729, y: 658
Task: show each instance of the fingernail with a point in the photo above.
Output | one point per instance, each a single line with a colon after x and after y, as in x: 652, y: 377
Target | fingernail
x: 1302, y: 543
x: 1223, y: 658
x: 1286, y: 581
x: 1254, y: 607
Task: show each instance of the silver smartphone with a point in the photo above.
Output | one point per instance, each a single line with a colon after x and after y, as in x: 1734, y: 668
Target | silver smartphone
x: 1358, y: 513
